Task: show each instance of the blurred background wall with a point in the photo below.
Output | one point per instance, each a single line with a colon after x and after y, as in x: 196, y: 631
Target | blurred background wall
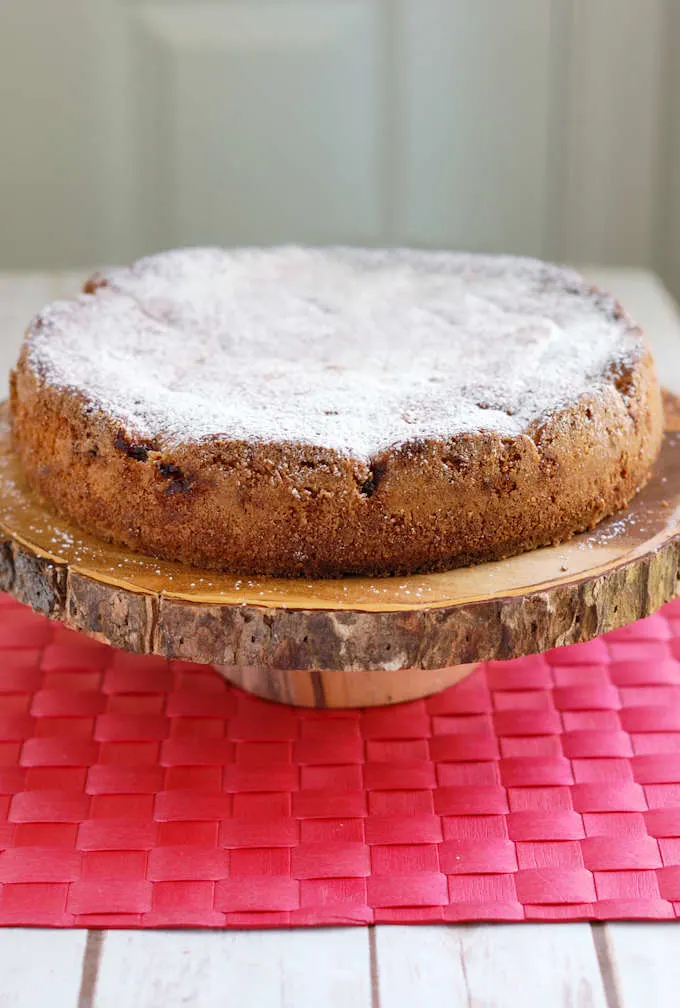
x: 549, y: 127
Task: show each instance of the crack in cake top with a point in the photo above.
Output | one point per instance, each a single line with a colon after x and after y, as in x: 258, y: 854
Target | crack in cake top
x: 355, y: 350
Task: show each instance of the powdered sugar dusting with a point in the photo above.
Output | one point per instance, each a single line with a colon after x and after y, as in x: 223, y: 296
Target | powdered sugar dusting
x: 349, y: 349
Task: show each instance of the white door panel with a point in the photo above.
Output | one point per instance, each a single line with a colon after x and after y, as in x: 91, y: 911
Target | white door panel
x: 474, y: 91
x: 260, y: 121
x: 539, y: 126
x: 612, y: 143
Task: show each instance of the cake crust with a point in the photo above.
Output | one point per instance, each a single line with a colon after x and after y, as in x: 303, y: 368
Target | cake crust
x: 498, y: 473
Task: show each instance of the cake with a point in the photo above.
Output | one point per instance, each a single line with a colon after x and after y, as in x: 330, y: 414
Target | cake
x: 320, y: 412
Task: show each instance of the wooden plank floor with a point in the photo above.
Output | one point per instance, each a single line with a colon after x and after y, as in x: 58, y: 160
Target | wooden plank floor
x: 485, y: 966
x: 619, y: 965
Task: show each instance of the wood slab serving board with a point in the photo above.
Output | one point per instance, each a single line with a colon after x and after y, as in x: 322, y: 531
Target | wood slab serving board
x: 254, y: 627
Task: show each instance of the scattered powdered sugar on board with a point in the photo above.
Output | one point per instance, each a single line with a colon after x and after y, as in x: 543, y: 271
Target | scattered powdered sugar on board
x: 350, y: 349
x: 610, y: 531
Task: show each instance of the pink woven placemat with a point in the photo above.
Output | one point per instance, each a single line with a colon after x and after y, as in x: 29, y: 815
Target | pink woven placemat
x: 140, y: 793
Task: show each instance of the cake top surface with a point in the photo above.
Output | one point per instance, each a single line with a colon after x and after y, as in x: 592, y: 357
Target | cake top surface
x: 350, y: 349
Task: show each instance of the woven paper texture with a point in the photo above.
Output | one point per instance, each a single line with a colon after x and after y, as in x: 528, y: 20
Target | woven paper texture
x: 140, y: 793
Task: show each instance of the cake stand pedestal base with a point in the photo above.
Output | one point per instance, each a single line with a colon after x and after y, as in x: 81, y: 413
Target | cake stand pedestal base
x: 340, y: 688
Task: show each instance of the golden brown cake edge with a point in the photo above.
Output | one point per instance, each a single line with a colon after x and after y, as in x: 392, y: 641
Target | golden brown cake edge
x: 292, y: 509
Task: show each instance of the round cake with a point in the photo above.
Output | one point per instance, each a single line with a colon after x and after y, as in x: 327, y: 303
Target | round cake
x: 300, y: 411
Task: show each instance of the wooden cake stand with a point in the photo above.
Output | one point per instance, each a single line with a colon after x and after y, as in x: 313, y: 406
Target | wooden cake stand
x: 354, y: 641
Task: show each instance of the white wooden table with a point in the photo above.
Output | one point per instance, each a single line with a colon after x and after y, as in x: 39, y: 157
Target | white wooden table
x: 589, y: 965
